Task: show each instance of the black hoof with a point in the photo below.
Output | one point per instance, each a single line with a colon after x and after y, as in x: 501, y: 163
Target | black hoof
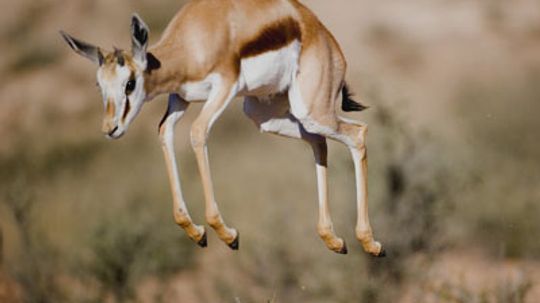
x: 203, y: 242
x: 234, y: 245
x: 344, y: 249
x: 382, y: 254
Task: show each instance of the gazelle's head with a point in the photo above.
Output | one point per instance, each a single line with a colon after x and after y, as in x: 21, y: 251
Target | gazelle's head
x: 120, y: 76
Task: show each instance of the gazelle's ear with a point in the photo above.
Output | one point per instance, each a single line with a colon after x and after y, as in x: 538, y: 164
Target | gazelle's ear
x: 139, y: 39
x: 84, y: 49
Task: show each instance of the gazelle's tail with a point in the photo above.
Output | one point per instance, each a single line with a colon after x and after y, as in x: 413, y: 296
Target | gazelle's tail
x: 348, y: 104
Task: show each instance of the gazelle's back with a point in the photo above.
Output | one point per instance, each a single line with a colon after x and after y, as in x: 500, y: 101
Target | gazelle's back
x: 225, y: 21
x: 206, y: 33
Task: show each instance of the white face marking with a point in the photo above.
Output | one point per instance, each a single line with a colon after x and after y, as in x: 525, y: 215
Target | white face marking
x: 271, y: 72
x: 113, y: 89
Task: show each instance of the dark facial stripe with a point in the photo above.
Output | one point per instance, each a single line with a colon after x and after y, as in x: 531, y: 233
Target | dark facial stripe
x: 126, y: 110
x: 275, y: 36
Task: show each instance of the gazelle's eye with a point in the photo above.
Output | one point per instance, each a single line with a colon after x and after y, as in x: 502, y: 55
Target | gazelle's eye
x: 130, y: 86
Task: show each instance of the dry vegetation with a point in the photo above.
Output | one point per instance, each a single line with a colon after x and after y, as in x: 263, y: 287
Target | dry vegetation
x: 454, y: 195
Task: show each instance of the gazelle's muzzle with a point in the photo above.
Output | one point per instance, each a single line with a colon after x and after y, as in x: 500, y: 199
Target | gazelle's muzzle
x: 112, y: 131
x: 110, y: 127
x: 108, y: 118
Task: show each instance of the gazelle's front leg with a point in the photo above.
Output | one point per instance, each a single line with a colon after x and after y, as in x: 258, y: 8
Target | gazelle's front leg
x: 175, y: 110
x: 220, y: 96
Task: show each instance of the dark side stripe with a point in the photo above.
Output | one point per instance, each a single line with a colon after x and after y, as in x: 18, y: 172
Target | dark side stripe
x: 272, y: 37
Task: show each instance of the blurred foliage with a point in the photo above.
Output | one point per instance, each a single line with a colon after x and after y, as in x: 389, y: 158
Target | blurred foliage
x: 503, y: 197
x: 37, y: 266
x: 33, y: 57
x: 127, y: 248
x: 124, y: 248
x: 514, y: 291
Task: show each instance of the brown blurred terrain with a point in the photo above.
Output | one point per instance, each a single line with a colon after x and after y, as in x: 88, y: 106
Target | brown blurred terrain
x: 454, y: 91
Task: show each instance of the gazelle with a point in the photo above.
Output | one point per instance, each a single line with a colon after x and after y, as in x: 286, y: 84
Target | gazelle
x: 277, y: 55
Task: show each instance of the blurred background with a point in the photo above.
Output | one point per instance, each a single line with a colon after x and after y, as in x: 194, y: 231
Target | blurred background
x: 454, y: 95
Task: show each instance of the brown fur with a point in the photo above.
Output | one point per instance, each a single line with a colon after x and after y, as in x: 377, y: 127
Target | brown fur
x: 111, y: 59
x: 108, y: 119
x: 213, y: 35
x: 272, y: 37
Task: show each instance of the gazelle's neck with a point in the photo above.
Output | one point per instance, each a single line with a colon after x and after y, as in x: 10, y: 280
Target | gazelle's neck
x: 167, y: 78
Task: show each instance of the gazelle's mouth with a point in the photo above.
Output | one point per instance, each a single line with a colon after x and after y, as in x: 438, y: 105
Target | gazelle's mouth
x: 112, y: 131
x: 115, y: 134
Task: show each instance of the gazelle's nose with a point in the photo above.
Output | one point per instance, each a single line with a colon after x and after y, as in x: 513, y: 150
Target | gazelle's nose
x: 111, y: 133
x: 108, y: 126
x: 115, y: 133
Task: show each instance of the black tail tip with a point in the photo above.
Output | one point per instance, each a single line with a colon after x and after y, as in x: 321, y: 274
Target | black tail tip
x: 348, y: 104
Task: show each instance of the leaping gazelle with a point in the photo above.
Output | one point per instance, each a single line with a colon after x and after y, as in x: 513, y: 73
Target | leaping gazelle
x: 277, y: 55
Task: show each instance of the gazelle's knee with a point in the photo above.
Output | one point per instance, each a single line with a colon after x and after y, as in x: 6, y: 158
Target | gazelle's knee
x: 354, y: 133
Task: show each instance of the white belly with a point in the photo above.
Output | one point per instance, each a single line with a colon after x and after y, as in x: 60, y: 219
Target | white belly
x: 269, y: 73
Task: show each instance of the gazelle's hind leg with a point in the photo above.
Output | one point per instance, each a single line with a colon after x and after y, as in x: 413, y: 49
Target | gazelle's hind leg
x: 274, y: 117
x: 353, y: 134
x: 313, y: 95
